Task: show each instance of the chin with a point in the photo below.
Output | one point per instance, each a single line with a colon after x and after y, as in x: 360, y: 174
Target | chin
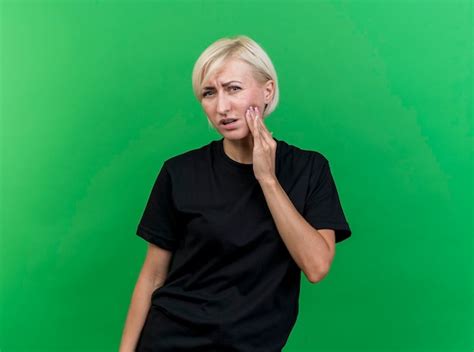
x: 236, y: 135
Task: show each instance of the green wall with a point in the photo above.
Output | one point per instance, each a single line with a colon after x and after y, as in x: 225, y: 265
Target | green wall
x: 95, y: 95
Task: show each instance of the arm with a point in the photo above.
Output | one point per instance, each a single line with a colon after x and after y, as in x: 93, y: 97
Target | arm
x: 152, y: 275
x: 312, y: 250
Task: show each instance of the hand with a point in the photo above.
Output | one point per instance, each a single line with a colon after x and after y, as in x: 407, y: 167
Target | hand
x: 264, y: 147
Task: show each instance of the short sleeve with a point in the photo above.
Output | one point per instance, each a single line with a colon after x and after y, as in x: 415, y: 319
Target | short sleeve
x: 158, y: 223
x: 323, y: 208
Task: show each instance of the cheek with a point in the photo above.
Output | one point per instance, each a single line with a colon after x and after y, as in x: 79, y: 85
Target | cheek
x: 206, y: 108
x: 251, y: 100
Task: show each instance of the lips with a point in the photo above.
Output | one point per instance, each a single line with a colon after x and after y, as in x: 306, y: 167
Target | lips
x: 228, y: 120
x: 231, y: 125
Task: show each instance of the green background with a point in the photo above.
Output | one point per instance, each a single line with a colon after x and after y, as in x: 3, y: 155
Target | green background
x: 95, y: 95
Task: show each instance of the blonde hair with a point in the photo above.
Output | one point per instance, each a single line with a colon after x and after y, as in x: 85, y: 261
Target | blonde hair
x: 238, y: 47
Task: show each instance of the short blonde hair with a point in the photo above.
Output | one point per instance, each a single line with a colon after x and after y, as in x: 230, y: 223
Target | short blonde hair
x: 239, y: 47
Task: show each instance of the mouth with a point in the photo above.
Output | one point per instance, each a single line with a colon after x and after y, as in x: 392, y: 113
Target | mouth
x: 228, y: 121
x: 230, y: 124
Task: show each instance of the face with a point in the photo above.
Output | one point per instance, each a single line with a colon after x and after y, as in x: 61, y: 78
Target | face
x: 229, y: 93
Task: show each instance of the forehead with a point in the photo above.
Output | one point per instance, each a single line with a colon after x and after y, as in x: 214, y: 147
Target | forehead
x: 229, y: 71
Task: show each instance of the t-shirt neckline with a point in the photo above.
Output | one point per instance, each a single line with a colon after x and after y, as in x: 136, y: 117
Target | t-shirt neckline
x: 230, y: 161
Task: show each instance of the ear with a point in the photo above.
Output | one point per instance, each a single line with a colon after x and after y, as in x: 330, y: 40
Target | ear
x: 269, y: 90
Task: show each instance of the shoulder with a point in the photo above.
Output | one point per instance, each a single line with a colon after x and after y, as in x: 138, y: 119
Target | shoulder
x: 187, y: 159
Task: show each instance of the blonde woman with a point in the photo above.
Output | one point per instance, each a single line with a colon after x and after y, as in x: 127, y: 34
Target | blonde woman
x: 231, y: 225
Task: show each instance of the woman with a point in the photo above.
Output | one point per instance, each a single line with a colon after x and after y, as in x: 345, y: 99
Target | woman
x: 231, y: 225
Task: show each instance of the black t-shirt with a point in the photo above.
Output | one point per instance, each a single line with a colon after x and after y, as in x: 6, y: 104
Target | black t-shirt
x: 230, y: 268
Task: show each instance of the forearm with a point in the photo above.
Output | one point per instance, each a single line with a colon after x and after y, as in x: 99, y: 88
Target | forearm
x: 305, y: 244
x: 138, y: 310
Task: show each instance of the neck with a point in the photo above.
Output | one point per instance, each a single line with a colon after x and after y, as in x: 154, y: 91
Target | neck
x: 240, y: 150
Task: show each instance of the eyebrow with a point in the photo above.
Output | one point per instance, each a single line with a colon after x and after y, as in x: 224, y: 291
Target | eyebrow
x: 223, y: 84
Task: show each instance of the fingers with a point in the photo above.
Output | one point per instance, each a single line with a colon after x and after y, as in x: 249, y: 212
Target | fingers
x: 261, y: 129
x: 250, y: 120
x: 256, y: 128
x: 266, y: 134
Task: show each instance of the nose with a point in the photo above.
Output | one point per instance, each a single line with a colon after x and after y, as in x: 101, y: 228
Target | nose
x: 222, y: 104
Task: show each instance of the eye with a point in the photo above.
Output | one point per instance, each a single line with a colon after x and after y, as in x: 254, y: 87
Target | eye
x: 205, y: 94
